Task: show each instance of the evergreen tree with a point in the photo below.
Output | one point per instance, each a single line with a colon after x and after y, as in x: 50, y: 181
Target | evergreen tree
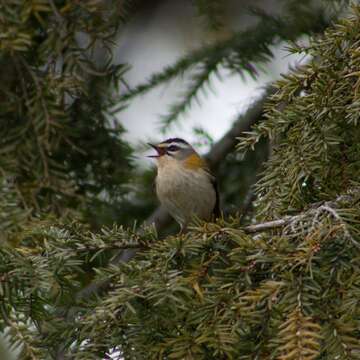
x: 282, y: 282
x: 60, y: 147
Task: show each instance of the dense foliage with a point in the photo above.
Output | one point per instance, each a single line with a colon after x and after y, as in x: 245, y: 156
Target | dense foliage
x: 59, y: 146
x: 286, y: 288
x: 316, y: 133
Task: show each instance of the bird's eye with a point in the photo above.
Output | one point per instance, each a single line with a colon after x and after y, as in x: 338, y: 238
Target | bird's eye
x: 173, y: 148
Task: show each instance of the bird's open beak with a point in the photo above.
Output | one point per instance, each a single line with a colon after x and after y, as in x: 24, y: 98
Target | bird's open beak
x: 160, y: 151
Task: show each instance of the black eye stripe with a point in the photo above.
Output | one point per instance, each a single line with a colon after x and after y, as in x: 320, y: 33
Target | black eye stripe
x: 172, y: 148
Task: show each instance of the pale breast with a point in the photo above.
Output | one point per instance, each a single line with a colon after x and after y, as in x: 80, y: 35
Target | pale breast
x: 185, y: 193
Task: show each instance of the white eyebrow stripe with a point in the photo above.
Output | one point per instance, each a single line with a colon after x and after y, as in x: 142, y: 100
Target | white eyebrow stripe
x: 179, y: 145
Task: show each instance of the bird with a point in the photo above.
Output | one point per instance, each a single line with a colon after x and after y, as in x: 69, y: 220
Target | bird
x: 184, y: 184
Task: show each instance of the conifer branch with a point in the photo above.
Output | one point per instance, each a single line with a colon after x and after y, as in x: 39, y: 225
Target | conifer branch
x: 314, y: 212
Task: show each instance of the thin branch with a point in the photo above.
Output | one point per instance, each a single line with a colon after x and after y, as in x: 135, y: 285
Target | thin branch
x: 328, y: 207
x: 250, y: 229
x: 113, y: 246
x: 198, y: 82
x: 47, y: 118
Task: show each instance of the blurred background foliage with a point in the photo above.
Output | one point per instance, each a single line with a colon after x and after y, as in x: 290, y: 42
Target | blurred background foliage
x: 61, y: 148
x: 66, y: 172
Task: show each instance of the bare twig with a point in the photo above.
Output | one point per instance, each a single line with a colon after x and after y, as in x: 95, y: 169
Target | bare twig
x: 250, y: 229
x: 114, y: 246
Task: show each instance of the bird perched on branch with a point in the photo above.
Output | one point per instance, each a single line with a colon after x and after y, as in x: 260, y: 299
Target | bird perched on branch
x: 184, y: 184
